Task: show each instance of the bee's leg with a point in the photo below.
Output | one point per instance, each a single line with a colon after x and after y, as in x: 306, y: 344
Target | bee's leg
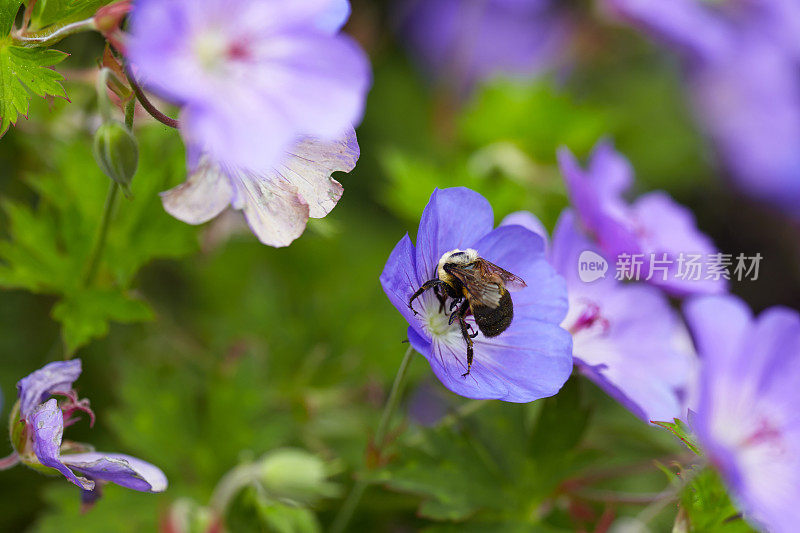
x: 425, y: 286
x: 441, y: 297
x: 468, y: 340
x: 460, y: 313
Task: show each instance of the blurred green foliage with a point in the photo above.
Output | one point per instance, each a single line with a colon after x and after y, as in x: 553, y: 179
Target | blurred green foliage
x: 211, y: 350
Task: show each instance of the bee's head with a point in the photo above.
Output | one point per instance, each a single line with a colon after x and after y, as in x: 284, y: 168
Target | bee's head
x: 455, y: 257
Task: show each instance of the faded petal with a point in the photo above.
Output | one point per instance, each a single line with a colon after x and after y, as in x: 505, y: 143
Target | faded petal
x: 118, y: 468
x: 47, y: 424
x: 54, y: 377
x: 309, y: 166
x: 454, y: 218
x: 275, y: 211
x: 205, y: 194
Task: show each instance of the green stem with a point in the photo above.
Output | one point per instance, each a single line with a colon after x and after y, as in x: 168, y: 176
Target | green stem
x: 53, y: 34
x: 103, y: 103
x: 357, y: 491
x: 130, y: 108
x: 100, y: 243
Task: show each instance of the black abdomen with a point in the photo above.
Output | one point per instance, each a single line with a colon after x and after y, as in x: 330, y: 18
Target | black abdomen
x: 493, y: 322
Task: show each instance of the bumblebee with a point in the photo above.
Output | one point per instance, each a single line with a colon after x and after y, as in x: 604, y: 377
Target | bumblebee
x: 475, y: 286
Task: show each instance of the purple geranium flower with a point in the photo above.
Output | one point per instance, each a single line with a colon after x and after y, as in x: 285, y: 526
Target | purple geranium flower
x: 624, y: 335
x: 742, y: 63
x: 39, y: 427
x: 653, y: 239
x: 251, y: 76
x: 276, y: 203
x: 532, y: 358
x: 747, y: 416
x: 462, y: 43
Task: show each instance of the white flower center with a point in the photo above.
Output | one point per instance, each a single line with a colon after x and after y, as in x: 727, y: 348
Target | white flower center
x: 210, y: 48
x: 436, y: 323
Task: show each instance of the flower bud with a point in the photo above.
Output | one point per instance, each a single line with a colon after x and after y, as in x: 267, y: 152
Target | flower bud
x: 296, y: 476
x: 116, y: 153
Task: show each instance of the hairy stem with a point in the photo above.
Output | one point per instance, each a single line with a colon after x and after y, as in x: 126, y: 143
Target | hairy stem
x: 53, y: 34
x: 148, y: 105
x: 350, y: 503
x: 100, y: 242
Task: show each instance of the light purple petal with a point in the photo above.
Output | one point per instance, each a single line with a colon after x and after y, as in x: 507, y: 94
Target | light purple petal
x: 205, y: 194
x: 399, y: 280
x: 666, y: 227
x: 334, y: 17
x: 528, y: 220
x: 530, y: 360
x: 252, y: 76
x: 47, y: 424
x: 41, y: 384
x: 118, y: 468
x: 454, y: 218
x: 718, y: 325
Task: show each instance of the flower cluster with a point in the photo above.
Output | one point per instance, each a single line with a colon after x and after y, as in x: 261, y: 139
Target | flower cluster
x: 37, y: 428
x: 743, y: 73
x: 269, y: 95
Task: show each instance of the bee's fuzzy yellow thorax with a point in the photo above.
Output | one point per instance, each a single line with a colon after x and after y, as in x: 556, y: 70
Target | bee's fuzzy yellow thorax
x: 458, y: 257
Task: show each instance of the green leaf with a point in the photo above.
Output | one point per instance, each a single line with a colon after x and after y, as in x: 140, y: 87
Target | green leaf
x: 24, y: 71
x: 8, y: 12
x: 86, y: 315
x: 682, y: 431
x: 48, y: 247
x: 709, y: 508
x: 47, y: 12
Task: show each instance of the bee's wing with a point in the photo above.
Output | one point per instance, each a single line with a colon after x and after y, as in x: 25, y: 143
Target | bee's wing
x: 492, y: 271
x: 483, y: 290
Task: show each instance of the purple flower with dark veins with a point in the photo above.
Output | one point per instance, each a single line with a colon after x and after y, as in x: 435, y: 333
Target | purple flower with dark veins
x: 661, y: 233
x: 747, y: 416
x: 38, y: 423
x: 276, y: 203
x: 251, y: 77
x: 742, y: 66
x: 625, y: 336
x: 529, y: 359
x: 461, y: 43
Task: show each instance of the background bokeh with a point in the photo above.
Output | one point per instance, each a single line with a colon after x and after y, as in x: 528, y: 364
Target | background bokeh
x: 251, y: 348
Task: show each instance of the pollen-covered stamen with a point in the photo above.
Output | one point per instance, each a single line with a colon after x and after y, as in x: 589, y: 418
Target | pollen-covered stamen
x: 73, y: 404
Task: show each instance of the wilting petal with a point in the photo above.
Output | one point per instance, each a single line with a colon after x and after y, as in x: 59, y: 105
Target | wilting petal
x: 47, y: 424
x: 205, y: 194
x: 41, y: 384
x: 118, y: 468
x: 454, y: 218
x: 275, y: 211
x: 309, y: 166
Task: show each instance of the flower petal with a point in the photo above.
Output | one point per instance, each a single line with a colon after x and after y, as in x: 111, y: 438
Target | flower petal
x: 528, y: 220
x: 530, y: 360
x: 41, y: 384
x: 274, y: 210
x: 205, y: 194
x: 309, y: 166
x: 719, y: 325
x: 454, y: 218
x: 399, y: 281
x: 118, y: 468
x: 334, y: 17
x: 47, y: 423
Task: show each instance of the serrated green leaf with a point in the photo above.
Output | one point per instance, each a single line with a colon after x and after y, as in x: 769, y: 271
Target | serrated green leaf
x: 24, y: 71
x: 682, y: 431
x: 47, y: 12
x: 8, y: 12
x: 86, y: 315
